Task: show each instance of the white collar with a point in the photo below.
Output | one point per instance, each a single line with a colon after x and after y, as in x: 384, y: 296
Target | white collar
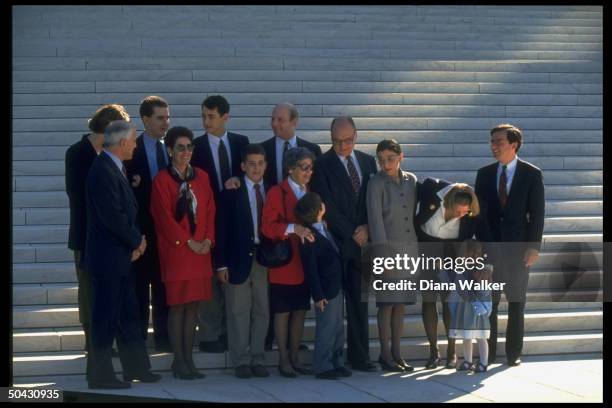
x: 294, y: 185
x: 510, y: 166
x: 292, y: 141
x: 250, y: 184
x: 215, y: 139
x: 344, y: 159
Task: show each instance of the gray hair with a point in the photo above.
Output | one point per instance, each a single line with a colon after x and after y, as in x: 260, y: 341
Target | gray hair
x: 115, y: 131
x: 296, y: 155
x: 293, y: 111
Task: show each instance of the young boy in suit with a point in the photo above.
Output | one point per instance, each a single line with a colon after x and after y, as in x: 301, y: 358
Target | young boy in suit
x: 322, y: 265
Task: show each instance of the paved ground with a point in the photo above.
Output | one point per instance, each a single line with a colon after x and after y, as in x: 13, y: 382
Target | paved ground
x: 568, y: 378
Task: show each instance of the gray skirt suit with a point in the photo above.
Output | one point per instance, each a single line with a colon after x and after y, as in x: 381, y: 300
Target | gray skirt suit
x: 391, y: 206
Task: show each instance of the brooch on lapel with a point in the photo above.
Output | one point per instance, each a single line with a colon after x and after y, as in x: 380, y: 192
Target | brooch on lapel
x: 136, y: 180
x: 432, y: 207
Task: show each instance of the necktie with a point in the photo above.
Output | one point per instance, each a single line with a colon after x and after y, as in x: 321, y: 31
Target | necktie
x: 161, y: 160
x: 123, y: 170
x: 259, y: 201
x: 286, y: 148
x: 353, y: 174
x: 224, y: 165
x: 503, y: 194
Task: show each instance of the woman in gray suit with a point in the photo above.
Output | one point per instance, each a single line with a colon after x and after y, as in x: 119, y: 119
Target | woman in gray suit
x: 391, y: 201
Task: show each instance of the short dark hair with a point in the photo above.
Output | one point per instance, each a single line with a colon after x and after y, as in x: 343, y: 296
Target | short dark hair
x: 218, y: 102
x: 148, y: 105
x: 105, y: 115
x: 249, y: 149
x: 513, y: 134
x: 307, y: 208
x: 341, y: 120
x: 174, y: 133
x: 389, y: 144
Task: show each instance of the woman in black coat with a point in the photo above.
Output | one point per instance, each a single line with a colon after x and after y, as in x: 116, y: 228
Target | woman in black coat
x: 447, y: 213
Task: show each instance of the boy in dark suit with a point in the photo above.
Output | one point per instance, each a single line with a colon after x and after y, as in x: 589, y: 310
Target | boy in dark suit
x: 322, y: 265
x: 244, y: 279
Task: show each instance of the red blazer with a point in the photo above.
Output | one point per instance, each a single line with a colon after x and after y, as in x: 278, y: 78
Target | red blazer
x: 274, y: 224
x: 177, y: 261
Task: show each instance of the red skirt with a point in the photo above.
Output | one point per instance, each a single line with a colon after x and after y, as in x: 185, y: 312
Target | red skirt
x: 180, y: 292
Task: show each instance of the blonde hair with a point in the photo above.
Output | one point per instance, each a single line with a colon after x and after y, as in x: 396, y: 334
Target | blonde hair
x: 462, y: 194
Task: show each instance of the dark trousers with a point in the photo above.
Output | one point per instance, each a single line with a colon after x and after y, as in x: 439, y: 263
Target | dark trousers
x: 114, y: 315
x: 84, y: 287
x: 147, y: 272
x: 357, y: 337
x: 515, y: 290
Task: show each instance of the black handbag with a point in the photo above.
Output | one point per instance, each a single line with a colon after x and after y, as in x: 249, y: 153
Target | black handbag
x: 273, y: 253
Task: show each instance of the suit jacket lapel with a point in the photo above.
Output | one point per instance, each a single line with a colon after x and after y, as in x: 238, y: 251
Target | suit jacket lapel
x: 209, y: 157
x: 246, y: 204
x: 142, y: 163
x: 113, y: 168
x: 516, y: 181
x: 235, y: 153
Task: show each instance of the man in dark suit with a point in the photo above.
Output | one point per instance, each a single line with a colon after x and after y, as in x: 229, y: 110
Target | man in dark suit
x: 341, y: 177
x: 149, y: 158
x: 513, y: 191
x: 79, y: 158
x: 217, y: 152
x: 245, y: 279
x: 114, y: 241
x: 285, y: 117
x: 284, y: 121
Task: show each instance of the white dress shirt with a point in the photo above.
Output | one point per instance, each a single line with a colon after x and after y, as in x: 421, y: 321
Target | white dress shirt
x: 213, y: 142
x: 437, y: 226
x: 510, y: 170
x: 250, y: 186
x: 299, y: 192
x: 280, y: 145
x: 344, y: 162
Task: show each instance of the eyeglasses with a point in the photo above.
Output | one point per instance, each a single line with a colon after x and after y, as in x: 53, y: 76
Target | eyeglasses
x: 305, y: 167
x: 346, y: 142
x: 182, y: 148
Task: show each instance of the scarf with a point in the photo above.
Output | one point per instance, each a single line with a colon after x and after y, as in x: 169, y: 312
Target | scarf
x: 187, y: 203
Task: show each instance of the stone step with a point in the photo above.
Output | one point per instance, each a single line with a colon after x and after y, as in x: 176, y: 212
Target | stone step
x: 263, y: 75
x: 52, y: 340
x: 300, y: 63
x: 44, y: 153
x: 65, y: 363
x: 365, y: 136
x: 195, y: 98
x: 66, y: 293
x: 238, y: 111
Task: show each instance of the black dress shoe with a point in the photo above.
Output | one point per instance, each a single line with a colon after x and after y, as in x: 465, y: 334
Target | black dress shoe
x: 288, y: 374
x: 433, y: 362
x: 303, y: 370
x: 514, y: 363
x: 212, y: 347
x: 391, y: 367
x: 243, y: 371
x: 108, y: 385
x: 344, y: 372
x: 328, y: 375
x: 147, y: 377
x: 365, y: 366
x: 402, y: 363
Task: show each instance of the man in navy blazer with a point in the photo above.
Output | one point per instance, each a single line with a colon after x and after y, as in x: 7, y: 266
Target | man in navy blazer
x: 284, y: 121
x: 114, y: 241
x: 341, y: 177
x: 217, y: 152
x: 245, y: 280
x: 150, y: 157
x: 513, y: 191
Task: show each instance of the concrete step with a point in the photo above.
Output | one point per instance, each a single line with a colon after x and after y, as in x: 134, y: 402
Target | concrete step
x: 331, y: 98
x: 365, y: 136
x: 44, y: 153
x: 65, y: 363
x: 571, y: 279
x: 257, y: 75
x: 46, y: 340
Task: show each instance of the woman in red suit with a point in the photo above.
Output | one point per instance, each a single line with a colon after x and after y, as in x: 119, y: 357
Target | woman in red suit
x: 183, y: 208
x: 289, y: 294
